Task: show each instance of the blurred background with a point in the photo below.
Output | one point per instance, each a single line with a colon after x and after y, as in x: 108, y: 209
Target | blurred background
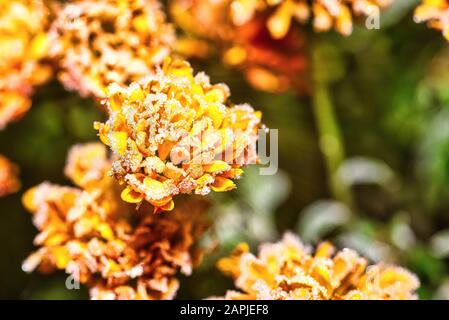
x: 386, y: 195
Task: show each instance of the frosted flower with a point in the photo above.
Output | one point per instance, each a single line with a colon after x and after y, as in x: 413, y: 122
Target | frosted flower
x: 101, y: 241
x: 163, y: 244
x: 289, y: 270
x: 99, y: 42
x: 175, y: 133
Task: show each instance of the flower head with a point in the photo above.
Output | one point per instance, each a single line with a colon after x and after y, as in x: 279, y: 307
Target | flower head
x: 9, y: 183
x: 73, y: 222
x: 23, y: 49
x: 326, y: 14
x: 288, y: 270
x: 163, y: 244
x: 99, y: 42
x: 89, y: 233
x: 175, y: 133
x: 268, y: 63
x: 436, y: 13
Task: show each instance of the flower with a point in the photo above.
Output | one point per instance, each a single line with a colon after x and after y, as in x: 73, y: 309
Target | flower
x: 99, y: 42
x: 258, y: 36
x: 288, y: 270
x: 163, y: 244
x: 327, y: 14
x: 77, y: 225
x: 90, y: 233
x: 436, y: 13
x: 175, y: 133
x: 23, y: 49
x: 269, y: 64
x: 9, y: 183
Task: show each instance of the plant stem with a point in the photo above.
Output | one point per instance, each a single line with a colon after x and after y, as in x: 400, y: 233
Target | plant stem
x: 330, y: 138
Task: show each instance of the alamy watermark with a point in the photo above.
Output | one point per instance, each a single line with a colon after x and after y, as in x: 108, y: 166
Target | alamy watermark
x: 372, y: 21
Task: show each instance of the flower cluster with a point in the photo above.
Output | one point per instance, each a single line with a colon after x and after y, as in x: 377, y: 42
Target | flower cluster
x: 175, y: 133
x: 257, y: 36
x: 288, y: 270
x: 9, y: 183
x: 98, y: 42
x: 89, y: 232
x: 23, y: 49
x: 436, y: 13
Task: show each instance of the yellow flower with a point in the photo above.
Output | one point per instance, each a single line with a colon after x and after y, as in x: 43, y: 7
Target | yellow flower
x: 326, y: 14
x: 175, y: 133
x: 436, y: 13
x: 99, y: 42
x: 23, y: 49
x: 288, y: 270
x: 88, y: 233
x: 9, y: 183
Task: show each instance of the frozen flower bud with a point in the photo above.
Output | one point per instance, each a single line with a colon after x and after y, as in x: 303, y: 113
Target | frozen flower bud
x: 289, y: 270
x: 98, y: 42
x: 175, y: 133
x: 23, y: 49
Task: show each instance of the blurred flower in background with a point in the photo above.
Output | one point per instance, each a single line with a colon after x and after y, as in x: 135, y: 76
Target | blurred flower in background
x: 9, y: 180
x: 326, y: 14
x: 436, y: 13
x: 287, y: 270
x: 108, y: 41
x: 268, y: 63
x: 23, y: 50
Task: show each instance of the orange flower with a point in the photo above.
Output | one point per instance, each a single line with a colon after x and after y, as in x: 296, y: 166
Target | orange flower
x: 109, y: 41
x: 76, y: 229
x: 436, y: 13
x: 77, y: 226
x: 9, y: 183
x: 287, y: 270
x: 268, y: 63
x: 23, y: 49
x: 88, y: 233
x: 175, y: 133
x: 327, y: 14
x: 163, y: 244
x: 257, y: 36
